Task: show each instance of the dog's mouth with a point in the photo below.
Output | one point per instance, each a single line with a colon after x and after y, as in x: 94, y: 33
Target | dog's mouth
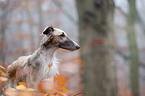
x: 70, y: 49
x: 68, y: 45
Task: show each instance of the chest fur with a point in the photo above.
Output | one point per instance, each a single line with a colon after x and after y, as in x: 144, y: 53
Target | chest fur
x: 48, y: 70
x: 48, y: 67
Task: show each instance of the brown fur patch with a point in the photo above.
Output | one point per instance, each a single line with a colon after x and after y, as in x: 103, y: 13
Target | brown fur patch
x: 17, y: 66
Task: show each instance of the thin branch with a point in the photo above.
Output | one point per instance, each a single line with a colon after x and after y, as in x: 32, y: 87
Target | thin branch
x: 141, y: 22
x: 65, y: 12
x: 79, y: 94
x: 121, y: 11
x: 125, y: 57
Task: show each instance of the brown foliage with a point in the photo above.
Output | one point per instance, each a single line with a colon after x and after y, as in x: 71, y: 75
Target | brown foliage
x: 57, y: 86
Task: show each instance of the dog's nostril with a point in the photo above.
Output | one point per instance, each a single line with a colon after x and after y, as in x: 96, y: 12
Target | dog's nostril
x: 77, y: 47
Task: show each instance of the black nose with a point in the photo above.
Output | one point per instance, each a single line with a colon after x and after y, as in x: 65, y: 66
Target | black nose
x: 77, y: 47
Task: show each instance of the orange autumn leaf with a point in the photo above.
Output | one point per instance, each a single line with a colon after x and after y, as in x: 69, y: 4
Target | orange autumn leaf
x: 22, y: 83
x: 60, y: 79
x: 60, y: 92
x: 63, y: 88
x: 53, y: 95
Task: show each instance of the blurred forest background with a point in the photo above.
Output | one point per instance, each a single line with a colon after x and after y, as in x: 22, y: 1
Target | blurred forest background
x: 111, y: 34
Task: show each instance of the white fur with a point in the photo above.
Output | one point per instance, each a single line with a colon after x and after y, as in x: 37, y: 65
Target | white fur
x: 49, y: 58
x: 58, y: 31
x: 46, y: 57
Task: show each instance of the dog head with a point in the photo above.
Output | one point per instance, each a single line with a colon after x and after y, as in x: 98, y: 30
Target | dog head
x: 55, y: 37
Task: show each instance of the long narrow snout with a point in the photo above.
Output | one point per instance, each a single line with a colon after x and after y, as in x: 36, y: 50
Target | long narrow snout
x: 69, y: 44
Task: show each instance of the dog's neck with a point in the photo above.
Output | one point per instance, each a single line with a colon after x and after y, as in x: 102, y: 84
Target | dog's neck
x: 46, y: 55
x: 45, y: 62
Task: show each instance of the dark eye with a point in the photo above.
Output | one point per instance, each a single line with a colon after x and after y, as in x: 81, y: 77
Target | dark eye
x: 62, y: 35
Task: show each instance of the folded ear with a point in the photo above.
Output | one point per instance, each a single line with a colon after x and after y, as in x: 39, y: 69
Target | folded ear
x: 48, y: 30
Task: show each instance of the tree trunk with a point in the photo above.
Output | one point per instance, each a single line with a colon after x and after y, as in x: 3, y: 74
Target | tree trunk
x: 97, y: 46
x: 134, y: 61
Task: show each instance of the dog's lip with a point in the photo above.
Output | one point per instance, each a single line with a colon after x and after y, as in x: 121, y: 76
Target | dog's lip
x: 70, y: 49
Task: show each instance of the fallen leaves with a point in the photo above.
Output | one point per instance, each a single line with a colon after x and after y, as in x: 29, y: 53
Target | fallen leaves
x: 10, y: 92
x: 26, y: 93
x: 2, y: 69
x: 3, y: 76
x: 20, y: 90
x: 22, y: 83
x: 3, y: 79
x: 60, y: 79
x: 63, y: 88
x: 3, y: 73
x: 20, y: 87
x: 45, y: 85
x: 48, y: 87
x: 53, y: 87
x: 15, y: 92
